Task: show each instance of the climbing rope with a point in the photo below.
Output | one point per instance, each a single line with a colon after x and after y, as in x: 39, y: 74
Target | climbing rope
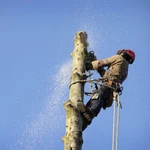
x: 116, y: 120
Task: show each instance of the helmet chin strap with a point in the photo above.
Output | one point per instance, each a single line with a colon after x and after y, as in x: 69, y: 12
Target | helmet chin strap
x: 125, y: 55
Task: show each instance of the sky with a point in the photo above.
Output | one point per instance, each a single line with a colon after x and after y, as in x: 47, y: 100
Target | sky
x: 36, y: 40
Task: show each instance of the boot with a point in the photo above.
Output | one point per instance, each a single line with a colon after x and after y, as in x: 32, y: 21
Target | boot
x: 87, y: 114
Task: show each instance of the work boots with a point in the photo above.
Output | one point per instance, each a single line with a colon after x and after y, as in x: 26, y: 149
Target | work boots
x: 87, y: 114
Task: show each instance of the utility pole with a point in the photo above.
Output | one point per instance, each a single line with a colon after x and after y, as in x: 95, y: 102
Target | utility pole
x: 73, y: 137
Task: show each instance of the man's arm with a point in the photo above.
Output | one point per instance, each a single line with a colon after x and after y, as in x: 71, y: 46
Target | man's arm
x: 100, y: 64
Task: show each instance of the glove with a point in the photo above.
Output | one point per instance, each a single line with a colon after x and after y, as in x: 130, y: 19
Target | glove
x: 92, y: 65
x: 89, y: 66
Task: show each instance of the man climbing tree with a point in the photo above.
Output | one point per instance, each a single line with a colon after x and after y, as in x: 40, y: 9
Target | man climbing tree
x: 112, y: 77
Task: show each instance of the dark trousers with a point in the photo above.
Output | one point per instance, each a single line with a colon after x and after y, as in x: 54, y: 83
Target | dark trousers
x: 99, y: 99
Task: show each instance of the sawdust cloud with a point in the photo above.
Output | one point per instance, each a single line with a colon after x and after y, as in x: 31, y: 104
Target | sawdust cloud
x: 44, y: 131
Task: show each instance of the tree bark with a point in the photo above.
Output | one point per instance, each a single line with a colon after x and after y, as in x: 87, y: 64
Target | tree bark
x: 73, y: 137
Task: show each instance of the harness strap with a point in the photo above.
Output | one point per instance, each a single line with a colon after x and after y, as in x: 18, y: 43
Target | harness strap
x: 114, y: 85
x: 111, y: 82
x: 95, y: 81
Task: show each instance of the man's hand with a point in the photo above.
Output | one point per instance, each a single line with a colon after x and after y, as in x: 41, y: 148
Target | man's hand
x: 90, y: 59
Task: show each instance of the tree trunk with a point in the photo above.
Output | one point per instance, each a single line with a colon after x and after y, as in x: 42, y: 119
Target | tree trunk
x: 73, y: 137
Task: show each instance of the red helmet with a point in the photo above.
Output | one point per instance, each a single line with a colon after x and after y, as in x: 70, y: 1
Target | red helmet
x: 128, y: 54
x: 132, y: 55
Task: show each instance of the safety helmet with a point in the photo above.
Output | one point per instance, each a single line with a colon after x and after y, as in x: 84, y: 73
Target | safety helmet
x: 128, y: 54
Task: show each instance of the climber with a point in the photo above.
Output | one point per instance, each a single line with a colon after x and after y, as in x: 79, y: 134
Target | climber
x: 114, y: 75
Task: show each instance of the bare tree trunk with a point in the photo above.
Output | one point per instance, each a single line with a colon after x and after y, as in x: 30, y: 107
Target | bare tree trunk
x: 73, y: 137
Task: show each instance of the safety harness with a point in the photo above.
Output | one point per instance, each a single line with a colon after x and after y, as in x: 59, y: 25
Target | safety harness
x: 110, y: 82
x: 113, y: 83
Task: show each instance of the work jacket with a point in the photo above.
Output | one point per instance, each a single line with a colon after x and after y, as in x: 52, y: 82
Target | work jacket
x: 117, y: 67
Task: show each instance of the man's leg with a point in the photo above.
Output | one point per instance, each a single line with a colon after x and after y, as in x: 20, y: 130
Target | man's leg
x: 95, y: 105
x: 86, y: 113
x: 90, y: 110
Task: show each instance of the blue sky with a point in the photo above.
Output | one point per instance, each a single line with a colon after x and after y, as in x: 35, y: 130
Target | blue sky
x: 35, y: 63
